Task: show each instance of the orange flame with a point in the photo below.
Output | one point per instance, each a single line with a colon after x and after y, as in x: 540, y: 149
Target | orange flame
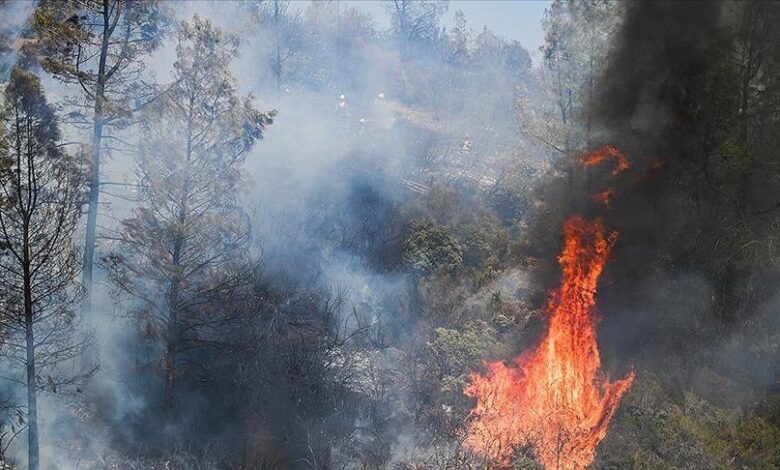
x: 555, y: 398
x: 599, y: 156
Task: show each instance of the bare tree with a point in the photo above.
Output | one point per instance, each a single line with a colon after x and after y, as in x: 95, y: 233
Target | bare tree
x: 285, y: 36
x: 415, y: 20
x: 176, y: 253
x: 41, y: 204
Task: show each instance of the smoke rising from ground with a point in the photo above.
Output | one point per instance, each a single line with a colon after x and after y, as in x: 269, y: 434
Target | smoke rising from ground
x: 401, y: 232
x: 323, y: 192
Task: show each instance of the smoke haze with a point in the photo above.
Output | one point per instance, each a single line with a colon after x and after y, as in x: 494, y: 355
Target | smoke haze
x: 404, y: 212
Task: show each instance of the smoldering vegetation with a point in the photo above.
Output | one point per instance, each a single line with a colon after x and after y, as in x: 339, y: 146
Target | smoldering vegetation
x: 313, y: 224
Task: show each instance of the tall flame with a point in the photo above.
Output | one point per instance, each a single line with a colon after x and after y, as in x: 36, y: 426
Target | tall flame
x: 554, y: 399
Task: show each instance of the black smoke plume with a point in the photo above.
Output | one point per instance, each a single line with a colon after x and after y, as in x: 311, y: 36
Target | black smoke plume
x: 690, y: 268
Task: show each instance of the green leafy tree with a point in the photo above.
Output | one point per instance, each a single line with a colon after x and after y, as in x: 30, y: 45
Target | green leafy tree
x: 430, y: 247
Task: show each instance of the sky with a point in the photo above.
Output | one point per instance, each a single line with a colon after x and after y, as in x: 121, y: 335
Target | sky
x: 520, y: 20
x: 514, y: 19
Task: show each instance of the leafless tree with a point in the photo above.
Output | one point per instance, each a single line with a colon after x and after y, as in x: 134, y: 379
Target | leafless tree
x: 285, y: 27
x: 414, y: 20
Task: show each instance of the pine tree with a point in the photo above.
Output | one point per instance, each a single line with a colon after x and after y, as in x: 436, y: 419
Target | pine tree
x: 175, y: 254
x: 100, y: 46
x: 42, y: 193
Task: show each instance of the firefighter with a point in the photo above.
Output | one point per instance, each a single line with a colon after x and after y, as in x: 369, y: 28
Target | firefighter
x: 465, y: 146
x: 342, y: 106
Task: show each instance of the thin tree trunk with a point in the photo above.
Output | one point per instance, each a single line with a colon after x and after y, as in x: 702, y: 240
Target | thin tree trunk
x: 171, y: 346
x: 32, y: 394
x: 94, y: 194
x: 94, y: 177
x: 172, y: 343
x: 169, y: 411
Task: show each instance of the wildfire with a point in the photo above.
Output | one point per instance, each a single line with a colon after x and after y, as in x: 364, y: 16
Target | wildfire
x: 554, y: 399
x: 598, y: 156
x: 605, y: 197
